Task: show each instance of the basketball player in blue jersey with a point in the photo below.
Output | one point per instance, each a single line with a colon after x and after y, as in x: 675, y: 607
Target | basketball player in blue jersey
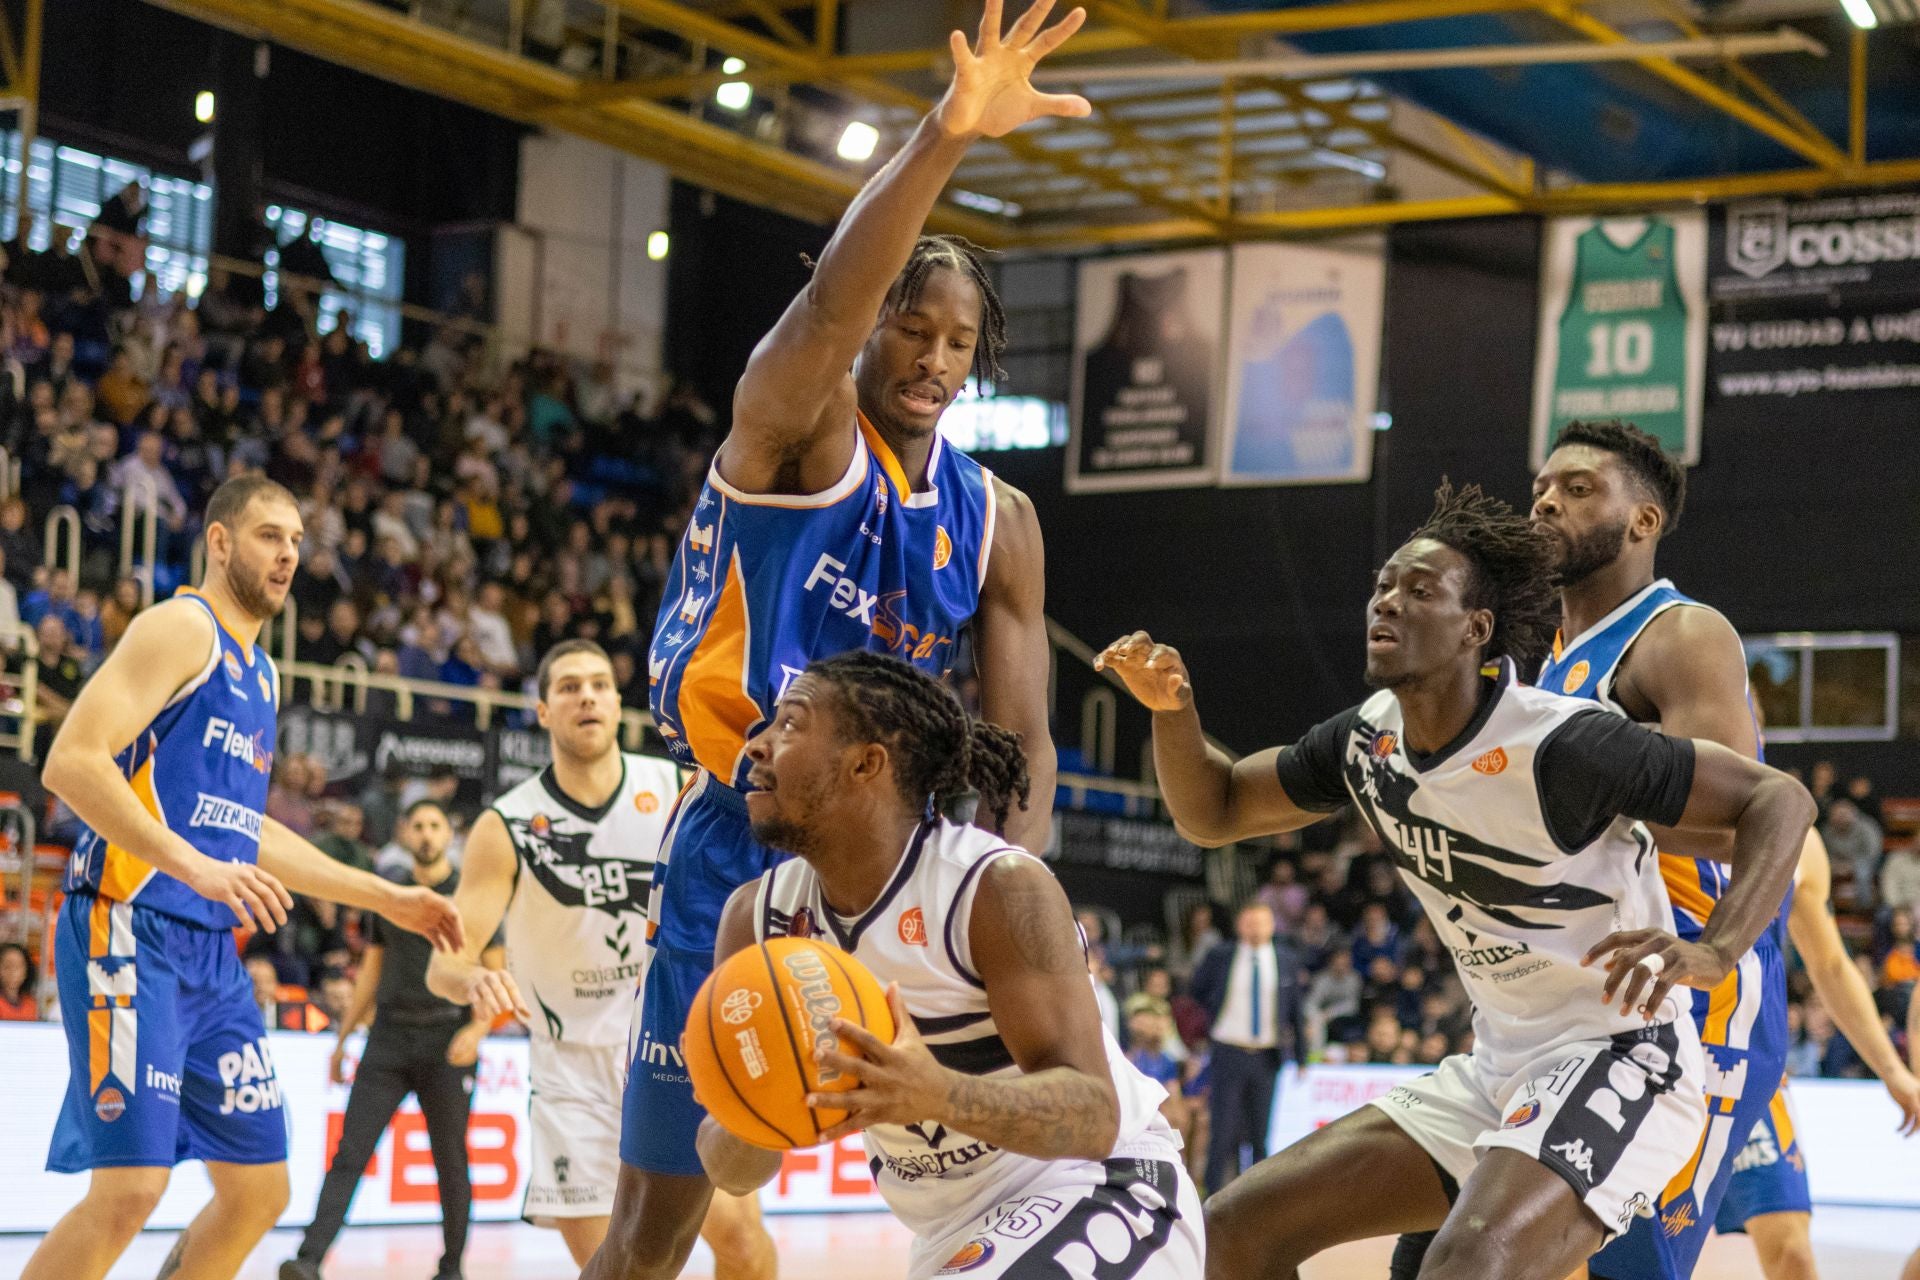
x: 165, y: 757
x: 1608, y: 495
x: 833, y: 519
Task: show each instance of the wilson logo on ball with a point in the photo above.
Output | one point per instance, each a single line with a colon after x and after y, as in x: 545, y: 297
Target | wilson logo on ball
x: 913, y: 928
x: 738, y: 1007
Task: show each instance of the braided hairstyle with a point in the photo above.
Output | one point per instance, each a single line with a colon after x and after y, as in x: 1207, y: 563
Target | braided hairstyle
x: 955, y: 253
x: 939, y: 753
x: 997, y: 767
x: 1512, y: 568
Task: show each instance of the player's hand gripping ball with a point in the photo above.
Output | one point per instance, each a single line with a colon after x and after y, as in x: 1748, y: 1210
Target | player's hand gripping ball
x: 753, y: 1029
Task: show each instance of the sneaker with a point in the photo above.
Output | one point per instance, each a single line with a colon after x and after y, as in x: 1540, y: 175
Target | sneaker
x: 299, y: 1269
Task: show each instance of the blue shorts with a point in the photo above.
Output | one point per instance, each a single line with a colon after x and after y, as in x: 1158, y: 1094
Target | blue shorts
x: 1743, y: 1028
x: 166, y: 1052
x: 1770, y: 1175
x: 707, y: 853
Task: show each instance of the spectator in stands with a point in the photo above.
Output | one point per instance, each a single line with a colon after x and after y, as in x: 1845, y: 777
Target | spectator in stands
x: 1902, y: 960
x: 1821, y: 782
x: 1866, y: 799
x: 382, y: 801
x: 1317, y: 938
x: 55, y: 598
x: 19, y: 984
x: 1854, y: 840
x: 1333, y: 1002
x: 9, y: 602
x: 487, y: 624
x: 147, y: 463
x: 1821, y: 1049
x: 122, y: 392
x: 1900, y: 878
x: 345, y: 824
x: 1284, y: 895
x: 287, y: 801
x: 1196, y: 938
x: 1376, y: 946
x: 59, y: 677
x: 1149, y: 1022
x: 19, y: 545
x: 1251, y: 989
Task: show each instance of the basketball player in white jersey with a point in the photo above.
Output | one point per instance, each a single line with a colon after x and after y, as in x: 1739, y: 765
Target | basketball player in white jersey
x: 1516, y: 817
x: 566, y: 859
x: 1003, y: 1124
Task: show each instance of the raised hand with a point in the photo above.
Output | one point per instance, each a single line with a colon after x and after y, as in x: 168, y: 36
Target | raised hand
x: 1153, y: 673
x: 991, y: 94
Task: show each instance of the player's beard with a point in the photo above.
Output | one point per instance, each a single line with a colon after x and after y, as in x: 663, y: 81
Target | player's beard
x: 787, y: 833
x: 1591, y: 552
x: 248, y: 587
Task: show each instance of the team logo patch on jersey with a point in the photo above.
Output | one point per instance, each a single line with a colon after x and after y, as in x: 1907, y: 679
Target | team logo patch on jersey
x: 1495, y: 761
x: 972, y: 1254
x: 646, y: 802
x: 266, y: 687
x: 1384, y: 744
x: 913, y: 927
x: 942, y: 547
x: 802, y: 924
x: 540, y: 825
x: 1525, y: 1114
x: 1576, y: 676
x: 233, y: 667
x: 109, y: 1104
x: 739, y: 1006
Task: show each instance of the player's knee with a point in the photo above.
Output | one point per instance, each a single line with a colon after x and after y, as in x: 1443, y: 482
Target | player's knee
x: 121, y: 1210
x: 740, y: 1243
x: 256, y: 1200
x: 647, y: 1247
x: 1240, y: 1242
x: 1470, y: 1248
x: 1788, y: 1257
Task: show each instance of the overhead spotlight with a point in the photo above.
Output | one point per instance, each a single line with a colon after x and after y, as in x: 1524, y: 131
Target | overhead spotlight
x: 657, y: 245
x: 734, y: 66
x: 1356, y: 164
x: 1861, y: 14
x: 734, y: 95
x: 858, y: 142
x: 203, y: 106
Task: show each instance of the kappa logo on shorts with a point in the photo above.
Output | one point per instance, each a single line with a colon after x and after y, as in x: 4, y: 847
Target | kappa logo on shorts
x: 1494, y: 761
x: 972, y: 1254
x: 1576, y: 676
x: 739, y: 1006
x: 109, y: 1104
x: 913, y: 927
x: 1525, y: 1114
x: 1577, y: 1154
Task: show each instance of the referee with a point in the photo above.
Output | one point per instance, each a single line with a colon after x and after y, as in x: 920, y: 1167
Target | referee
x: 418, y: 1044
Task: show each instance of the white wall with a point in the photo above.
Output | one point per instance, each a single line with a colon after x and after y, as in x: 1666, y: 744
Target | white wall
x: 573, y: 273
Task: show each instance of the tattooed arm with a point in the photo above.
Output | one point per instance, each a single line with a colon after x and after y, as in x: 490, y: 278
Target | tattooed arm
x: 1027, y: 951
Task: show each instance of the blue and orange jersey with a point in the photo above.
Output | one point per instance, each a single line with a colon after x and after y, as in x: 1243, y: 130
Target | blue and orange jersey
x: 201, y: 768
x: 764, y: 584
x: 1586, y: 669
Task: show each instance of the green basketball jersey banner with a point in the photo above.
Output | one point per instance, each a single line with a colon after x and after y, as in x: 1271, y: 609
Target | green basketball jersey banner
x: 1622, y: 327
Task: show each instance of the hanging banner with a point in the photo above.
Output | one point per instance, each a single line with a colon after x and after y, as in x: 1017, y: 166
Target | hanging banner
x: 1817, y: 297
x: 1303, y: 363
x: 1146, y: 371
x: 1623, y: 327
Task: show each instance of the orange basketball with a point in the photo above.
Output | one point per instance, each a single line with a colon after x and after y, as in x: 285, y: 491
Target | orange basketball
x: 753, y: 1029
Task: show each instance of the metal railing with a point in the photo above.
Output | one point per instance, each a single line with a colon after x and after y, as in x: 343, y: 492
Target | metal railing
x: 63, y: 531
x: 139, y: 513
x: 343, y: 680
x: 25, y: 718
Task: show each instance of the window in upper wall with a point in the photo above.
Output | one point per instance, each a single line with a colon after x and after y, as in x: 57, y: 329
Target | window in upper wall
x: 370, y: 267
x: 1825, y: 686
x: 982, y: 421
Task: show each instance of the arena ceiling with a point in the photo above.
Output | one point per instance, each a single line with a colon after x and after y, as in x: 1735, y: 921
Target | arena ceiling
x: 1212, y: 122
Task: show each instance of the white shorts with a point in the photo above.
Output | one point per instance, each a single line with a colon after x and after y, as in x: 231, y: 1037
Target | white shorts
x: 574, y: 1130
x: 1130, y: 1218
x: 1616, y: 1118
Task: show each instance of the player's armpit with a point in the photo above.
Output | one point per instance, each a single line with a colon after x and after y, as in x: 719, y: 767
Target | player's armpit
x: 1027, y: 951
x: 1010, y: 635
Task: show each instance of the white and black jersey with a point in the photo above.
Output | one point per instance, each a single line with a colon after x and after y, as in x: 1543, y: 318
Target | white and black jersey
x: 916, y: 933
x: 576, y: 926
x: 1522, y: 839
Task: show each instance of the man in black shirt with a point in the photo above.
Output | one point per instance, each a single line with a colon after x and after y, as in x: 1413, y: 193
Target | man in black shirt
x: 418, y: 1044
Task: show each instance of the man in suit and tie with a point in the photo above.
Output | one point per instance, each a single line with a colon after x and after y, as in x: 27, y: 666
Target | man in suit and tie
x: 1251, y: 990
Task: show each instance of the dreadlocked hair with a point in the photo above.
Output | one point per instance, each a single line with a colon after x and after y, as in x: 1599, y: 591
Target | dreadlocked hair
x: 928, y: 734
x: 1651, y: 467
x: 997, y: 768
x: 1512, y: 568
